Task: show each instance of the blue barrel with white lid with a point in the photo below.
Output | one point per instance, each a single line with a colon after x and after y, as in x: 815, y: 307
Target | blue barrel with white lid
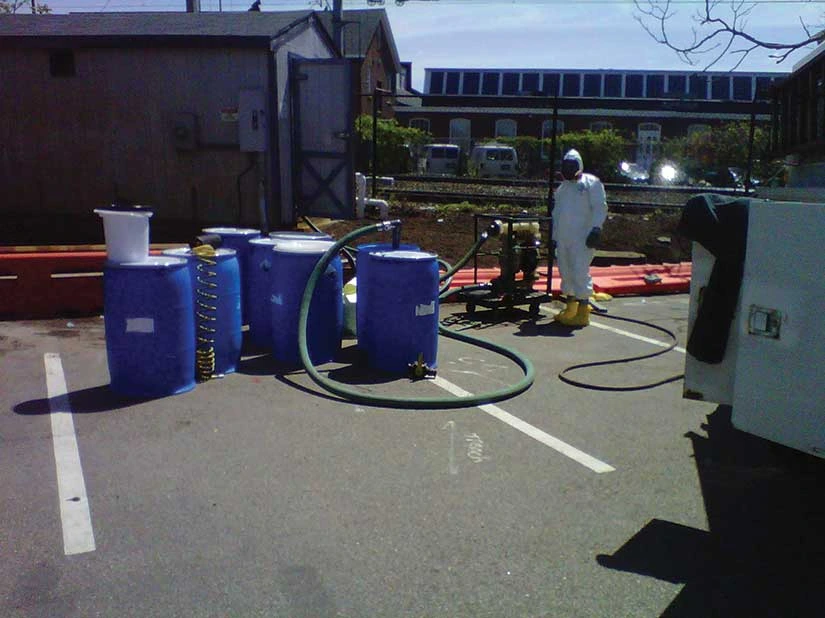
x: 363, y: 257
x: 401, y: 292
x: 259, y: 277
x: 238, y: 238
x: 216, y: 302
x: 149, y: 321
x: 292, y: 263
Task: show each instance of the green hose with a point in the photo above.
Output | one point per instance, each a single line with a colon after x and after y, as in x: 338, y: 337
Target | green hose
x: 430, y: 403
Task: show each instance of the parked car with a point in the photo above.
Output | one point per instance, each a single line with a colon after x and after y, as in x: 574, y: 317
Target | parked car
x: 493, y: 161
x: 441, y: 159
x: 633, y: 172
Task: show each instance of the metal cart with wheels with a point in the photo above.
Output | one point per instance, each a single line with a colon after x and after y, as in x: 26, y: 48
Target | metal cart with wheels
x: 524, y: 245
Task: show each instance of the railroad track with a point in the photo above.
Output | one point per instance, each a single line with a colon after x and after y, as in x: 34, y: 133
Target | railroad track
x: 452, y: 197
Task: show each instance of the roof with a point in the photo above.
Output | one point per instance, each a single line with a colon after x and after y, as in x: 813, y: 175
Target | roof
x: 359, y: 29
x: 248, y: 27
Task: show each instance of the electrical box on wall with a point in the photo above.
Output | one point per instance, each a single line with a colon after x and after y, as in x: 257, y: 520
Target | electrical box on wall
x: 185, y: 131
x: 252, y: 121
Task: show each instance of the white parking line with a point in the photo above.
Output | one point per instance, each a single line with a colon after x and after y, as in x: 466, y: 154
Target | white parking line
x: 545, y: 438
x: 78, y: 536
x: 618, y: 331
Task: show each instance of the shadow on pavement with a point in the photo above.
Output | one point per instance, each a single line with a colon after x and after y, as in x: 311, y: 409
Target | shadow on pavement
x: 764, y: 553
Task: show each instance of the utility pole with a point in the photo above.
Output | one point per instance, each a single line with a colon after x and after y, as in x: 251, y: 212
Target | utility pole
x: 192, y: 6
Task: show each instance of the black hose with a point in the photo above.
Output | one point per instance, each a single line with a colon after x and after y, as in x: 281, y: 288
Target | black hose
x: 600, y: 387
x: 431, y: 403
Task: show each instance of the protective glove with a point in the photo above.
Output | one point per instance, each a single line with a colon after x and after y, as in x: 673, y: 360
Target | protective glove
x: 593, y: 238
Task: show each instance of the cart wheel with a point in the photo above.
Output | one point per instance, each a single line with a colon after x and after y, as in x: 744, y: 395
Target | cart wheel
x: 534, y: 308
x: 471, y: 307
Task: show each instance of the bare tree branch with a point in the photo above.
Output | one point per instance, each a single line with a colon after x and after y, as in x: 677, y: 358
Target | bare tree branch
x: 718, y: 26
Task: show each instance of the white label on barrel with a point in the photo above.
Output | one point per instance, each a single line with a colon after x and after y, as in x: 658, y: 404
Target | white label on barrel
x: 428, y: 309
x: 140, y: 325
x: 277, y: 299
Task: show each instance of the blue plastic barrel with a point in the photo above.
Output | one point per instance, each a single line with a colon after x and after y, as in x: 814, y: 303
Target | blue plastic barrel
x: 292, y: 264
x: 148, y: 317
x: 259, y: 277
x: 401, y: 291
x: 363, y: 258
x: 216, y: 300
x: 238, y: 238
x: 296, y: 235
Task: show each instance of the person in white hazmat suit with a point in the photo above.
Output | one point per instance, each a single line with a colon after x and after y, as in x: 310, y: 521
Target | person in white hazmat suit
x: 578, y: 216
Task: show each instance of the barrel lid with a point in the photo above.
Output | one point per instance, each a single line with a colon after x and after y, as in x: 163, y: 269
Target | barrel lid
x: 264, y: 241
x: 231, y: 231
x: 403, y: 255
x: 386, y: 246
x: 296, y: 235
x: 311, y: 247
x: 152, y: 261
x: 186, y: 252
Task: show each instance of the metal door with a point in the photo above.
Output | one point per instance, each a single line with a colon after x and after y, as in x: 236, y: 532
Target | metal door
x: 323, y: 124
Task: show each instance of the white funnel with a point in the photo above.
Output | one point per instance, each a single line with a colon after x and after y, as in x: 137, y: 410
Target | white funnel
x: 126, y: 230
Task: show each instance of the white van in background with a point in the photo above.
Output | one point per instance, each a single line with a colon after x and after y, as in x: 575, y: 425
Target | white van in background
x: 493, y: 161
x: 440, y: 159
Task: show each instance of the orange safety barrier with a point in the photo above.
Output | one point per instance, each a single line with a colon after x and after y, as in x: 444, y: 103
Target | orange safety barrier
x: 61, y: 283
x: 614, y: 280
x: 50, y: 284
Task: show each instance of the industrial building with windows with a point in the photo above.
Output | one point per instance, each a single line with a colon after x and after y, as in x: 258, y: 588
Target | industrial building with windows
x: 463, y: 106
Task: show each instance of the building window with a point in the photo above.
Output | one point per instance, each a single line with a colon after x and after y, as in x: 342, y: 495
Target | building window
x: 655, y: 86
x: 460, y: 132
x: 505, y: 127
x: 634, y: 86
x: 698, y: 86
x: 61, y: 63
x: 763, y: 88
x: 471, y: 83
x: 612, y: 85
x: 676, y: 85
x: 509, y: 83
x: 551, y: 84
x: 693, y: 129
x: 742, y: 88
x: 547, y: 135
x: 600, y: 125
x: 422, y: 124
x: 720, y: 87
x: 592, y: 85
x: 436, y: 82
x: 571, y: 84
x: 453, y: 78
x: 490, y: 84
x: 530, y: 82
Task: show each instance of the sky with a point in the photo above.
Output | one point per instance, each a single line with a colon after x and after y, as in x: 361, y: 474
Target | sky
x: 534, y: 34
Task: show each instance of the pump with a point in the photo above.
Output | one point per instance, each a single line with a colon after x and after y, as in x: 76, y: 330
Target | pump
x: 519, y: 255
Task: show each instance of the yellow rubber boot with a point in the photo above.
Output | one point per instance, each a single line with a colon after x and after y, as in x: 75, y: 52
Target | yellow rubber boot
x: 569, y: 311
x: 581, y: 318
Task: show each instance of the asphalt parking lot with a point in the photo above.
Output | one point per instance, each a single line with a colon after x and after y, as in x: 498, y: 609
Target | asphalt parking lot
x: 260, y: 495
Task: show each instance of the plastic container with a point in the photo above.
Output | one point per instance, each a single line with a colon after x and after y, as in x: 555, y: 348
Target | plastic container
x: 401, y: 292
x: 126, y: 231
x: 362, y: 266
x: 292, y: 264
x: 216, y: 302
x: 259, y: 278
x: 238, y: 238
x: 295, y: 235
x: 149, y: 321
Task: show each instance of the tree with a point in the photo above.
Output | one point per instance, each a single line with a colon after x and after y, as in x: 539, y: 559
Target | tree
x: 719, y: 28
x: 13, y: 6
x: 395, y: 144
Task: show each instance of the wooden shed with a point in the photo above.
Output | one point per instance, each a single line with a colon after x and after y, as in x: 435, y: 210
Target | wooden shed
x: 210, y: 118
